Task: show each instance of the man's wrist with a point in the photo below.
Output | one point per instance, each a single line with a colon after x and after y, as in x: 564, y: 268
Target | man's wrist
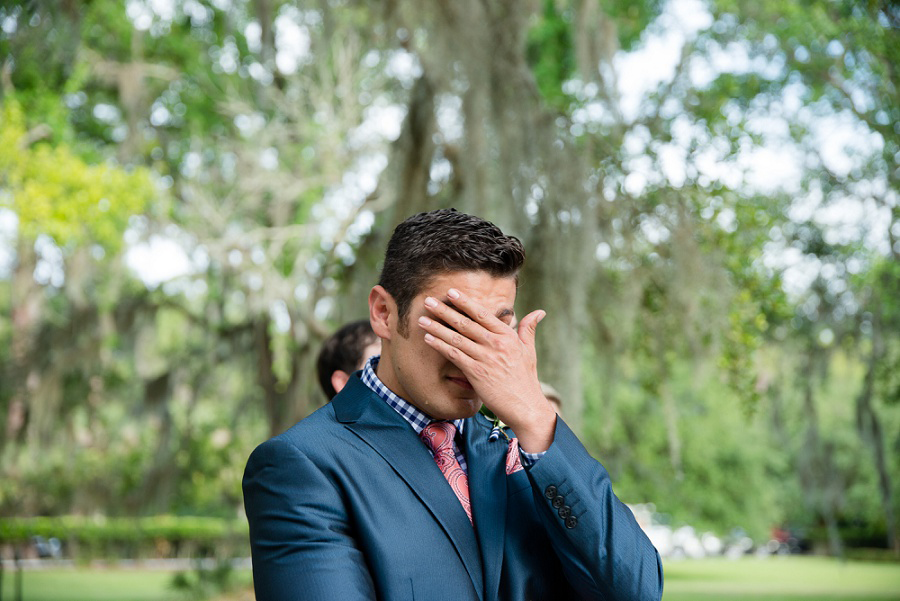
x: 536, y: 433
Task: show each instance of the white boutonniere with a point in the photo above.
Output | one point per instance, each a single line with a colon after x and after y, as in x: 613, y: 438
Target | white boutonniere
x: 497, y: 426
x: 513, y: 460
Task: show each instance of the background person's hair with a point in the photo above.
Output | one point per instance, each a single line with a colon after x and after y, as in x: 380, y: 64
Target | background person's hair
x: 551, y: 393
x: 443, y: 241
x: 343, y: 351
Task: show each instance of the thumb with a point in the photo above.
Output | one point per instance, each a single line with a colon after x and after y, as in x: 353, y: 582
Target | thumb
x: 528, y: 326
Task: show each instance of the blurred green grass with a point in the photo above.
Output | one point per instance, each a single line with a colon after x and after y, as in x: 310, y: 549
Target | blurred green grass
x: 102, y: 584
x: 749, y: 579
x: 83, y: 584
x: 781, y: 579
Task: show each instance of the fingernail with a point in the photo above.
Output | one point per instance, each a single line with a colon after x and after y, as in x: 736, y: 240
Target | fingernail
x: 429, y: 337
x: 430, y: 302
x: 453, y: 293
x: 424, y: 321
x: 541, y: 316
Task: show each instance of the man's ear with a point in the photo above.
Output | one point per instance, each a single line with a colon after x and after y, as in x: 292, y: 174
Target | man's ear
x: 382, y: 309
x: 339, y: 379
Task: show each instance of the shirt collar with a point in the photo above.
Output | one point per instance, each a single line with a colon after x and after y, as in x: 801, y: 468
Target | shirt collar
x: 416, y: 418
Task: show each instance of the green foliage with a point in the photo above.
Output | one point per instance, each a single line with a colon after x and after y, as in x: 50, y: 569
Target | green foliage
x: 39, y: 67
x: 128, y: 452
x: 550, y: 47
x: 631, y: 18
x: 722, y: 451
x: 844, y: 52
x: 55, y: 193
x: 698, y: 406
x: 551, y: 55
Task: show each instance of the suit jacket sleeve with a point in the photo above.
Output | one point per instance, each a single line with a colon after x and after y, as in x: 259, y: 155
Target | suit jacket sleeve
x: 299, y: 536
x: 603, y: 551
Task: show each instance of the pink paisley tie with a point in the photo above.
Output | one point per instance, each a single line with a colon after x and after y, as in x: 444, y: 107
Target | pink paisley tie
x: 438, y: 437
x: 513, y: 459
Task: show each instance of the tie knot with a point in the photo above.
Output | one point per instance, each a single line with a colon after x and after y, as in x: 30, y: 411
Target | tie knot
x: 438, y: 435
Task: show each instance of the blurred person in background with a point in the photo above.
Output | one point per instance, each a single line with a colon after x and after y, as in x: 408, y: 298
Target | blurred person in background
x: 345, y: 352
x: 553, y: 396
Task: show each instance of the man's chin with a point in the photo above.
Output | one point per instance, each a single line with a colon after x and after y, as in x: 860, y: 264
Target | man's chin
x: 463, y: 409
x: 474, y: 407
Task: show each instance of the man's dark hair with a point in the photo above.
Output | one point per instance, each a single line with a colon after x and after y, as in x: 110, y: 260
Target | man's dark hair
x: 343, y: 351
x: 439, y: 242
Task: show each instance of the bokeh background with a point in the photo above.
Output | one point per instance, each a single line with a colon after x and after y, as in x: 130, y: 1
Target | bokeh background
x: 194, y: 193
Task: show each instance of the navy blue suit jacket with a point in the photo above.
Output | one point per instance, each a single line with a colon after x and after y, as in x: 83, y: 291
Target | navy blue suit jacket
x: 348, y: 504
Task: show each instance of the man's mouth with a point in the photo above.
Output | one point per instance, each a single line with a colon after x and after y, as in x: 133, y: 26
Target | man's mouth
x: 460, y: 381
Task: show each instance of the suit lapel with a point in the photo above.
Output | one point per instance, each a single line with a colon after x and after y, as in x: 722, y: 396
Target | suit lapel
x: 388, y: 434
x: 487, y: 490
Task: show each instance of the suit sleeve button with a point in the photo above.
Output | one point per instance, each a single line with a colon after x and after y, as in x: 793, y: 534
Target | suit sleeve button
x: 558, y: 502
x: 571, y: 522
x: 565, y: 511
x: 550, y: 492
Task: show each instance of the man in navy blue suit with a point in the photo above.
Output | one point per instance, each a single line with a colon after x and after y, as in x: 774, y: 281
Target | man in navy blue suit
x: 397, y: 489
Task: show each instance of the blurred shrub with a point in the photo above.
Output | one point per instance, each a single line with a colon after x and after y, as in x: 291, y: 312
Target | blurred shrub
x: 154, y: 536
x: 869, y: 554
x: 206, y: 580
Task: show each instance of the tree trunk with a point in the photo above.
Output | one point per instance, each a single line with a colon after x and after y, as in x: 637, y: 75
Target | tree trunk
x: 868, y: 424
x: 403, y: 191
x: 672, y: 436
x: 27, y: 303
x: 511, y: 165
x: 285, y: 402
x: 814, y: 464
x: 159, y: 483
